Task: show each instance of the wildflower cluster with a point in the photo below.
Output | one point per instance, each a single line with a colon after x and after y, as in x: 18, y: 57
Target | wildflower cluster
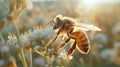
x: 36, y: 40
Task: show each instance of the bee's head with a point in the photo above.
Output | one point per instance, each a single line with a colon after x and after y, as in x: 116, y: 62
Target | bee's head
x: 58, y: 22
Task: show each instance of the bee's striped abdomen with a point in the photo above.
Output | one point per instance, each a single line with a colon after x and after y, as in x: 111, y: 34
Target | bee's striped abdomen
x: 82, y: 41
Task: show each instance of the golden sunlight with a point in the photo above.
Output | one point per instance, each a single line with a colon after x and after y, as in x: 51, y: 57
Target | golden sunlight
x: 93, y: 3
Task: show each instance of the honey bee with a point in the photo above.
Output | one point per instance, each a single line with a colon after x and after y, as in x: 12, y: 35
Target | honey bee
x: 74, y: 30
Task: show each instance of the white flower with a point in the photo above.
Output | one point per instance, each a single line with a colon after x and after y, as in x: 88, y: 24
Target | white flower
x: 116, y: 28
x: 63, y: 55
x: 57, y: 66
x: 36, y: 47
x: 101, y: 38
x: 39, y: 33
x: 12, y: 39
x: 46, y: 65
x: 117, y: 45
x: 26, y: 3
x: 25, y: 41
x: 29, y: 4
x: 109, y: 54
x: 58, y: 61
x: 2, y: 63
x: 11, y: 58
x: 40, y: 61
x: 38, y: 36
x: 5, y: 49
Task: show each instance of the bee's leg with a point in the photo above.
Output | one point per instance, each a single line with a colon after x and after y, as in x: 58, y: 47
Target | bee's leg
x: 67, y: 39
x: 65, y: 42
x: 71, y: 50
x: 58, y: 33
x: 56, y: 36
x: 50, y: 44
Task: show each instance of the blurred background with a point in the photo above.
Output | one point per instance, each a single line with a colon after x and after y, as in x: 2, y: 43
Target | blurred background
x: 105, y: 45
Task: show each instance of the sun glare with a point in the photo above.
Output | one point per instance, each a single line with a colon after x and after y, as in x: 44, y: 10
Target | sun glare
x: 89, y: 3
x: 93, y: 3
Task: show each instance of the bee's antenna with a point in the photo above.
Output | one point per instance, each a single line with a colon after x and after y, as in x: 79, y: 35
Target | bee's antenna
x: 50, y: 22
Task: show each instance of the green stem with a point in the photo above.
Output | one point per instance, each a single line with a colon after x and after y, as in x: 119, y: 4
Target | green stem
x: 82, y: 62
x: 30, y: 57
x: 19, y: 42
x: 40, y: 54
x: 23, y: 58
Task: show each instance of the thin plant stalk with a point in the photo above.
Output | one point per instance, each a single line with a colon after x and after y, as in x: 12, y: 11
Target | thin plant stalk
x: 30, y: 57
x: 19, y: 42
x: 39, y: 53
x: 91, y: 58
x: 82, y: 62
x: 14, y: 19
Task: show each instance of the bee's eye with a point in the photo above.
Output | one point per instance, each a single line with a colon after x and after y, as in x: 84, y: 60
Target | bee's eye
x: 58, y: 23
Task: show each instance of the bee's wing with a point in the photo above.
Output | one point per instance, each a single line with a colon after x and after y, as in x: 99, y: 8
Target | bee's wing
x: 86, y: 27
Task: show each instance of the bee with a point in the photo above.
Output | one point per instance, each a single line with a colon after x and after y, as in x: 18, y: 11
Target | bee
x: 74, y: 30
